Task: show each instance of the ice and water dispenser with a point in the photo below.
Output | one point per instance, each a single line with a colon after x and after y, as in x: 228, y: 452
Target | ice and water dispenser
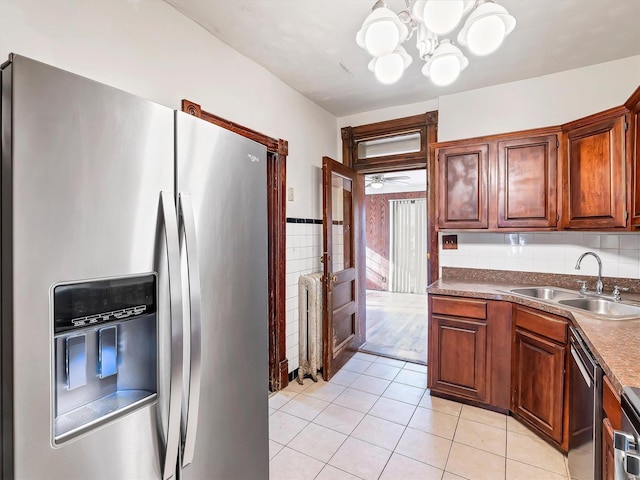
x: 105, y: 352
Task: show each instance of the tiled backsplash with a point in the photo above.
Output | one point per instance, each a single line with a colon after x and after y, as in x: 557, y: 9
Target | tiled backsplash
x: 548, y: 252
x: 304, y: 250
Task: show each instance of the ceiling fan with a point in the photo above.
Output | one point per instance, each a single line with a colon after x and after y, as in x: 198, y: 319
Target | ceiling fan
x: 378, y: 181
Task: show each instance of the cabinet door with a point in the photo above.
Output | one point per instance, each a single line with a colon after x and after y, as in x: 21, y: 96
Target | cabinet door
x: 608, y: 454
x: 463, y: 174
x: 527, y: 182
x: 634, y: 106
x: 457, y: 359
x: 538, y: 383
x: 595, y: 180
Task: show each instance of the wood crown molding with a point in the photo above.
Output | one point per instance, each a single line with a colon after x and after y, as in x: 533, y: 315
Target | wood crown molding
x: 390, y: 127
x: 634, y: 99
x: 609, y: 114
x: 191, y: 108
x: 501, y: 136
x: 273, y: 144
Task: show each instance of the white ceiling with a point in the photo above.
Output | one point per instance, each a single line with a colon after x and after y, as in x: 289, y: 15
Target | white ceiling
x: 310, y: 45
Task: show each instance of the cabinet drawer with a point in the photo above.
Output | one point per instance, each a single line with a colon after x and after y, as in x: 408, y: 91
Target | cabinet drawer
x: 541, y: 323
x: 611, y: 404
x: 459, y: 307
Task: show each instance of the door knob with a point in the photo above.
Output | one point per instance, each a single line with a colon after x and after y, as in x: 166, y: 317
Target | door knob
x: 334, y: 279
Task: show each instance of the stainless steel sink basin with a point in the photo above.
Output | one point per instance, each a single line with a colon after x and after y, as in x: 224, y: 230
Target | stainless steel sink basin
x: 546, y: 293
x: 601, y: 306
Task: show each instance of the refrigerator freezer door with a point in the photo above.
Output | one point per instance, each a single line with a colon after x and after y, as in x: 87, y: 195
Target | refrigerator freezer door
x: 226, y: 177
x: 86, y: 163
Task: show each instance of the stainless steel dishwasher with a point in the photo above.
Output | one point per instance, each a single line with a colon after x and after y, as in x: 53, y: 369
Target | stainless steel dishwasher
x: 585, y: 411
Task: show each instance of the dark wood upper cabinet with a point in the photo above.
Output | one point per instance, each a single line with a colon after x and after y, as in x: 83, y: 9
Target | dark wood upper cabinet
x: 594, y: 177
x: 527, y: 179
x: 463, y: 185
x: 498, y: 182
x: 633, y: 104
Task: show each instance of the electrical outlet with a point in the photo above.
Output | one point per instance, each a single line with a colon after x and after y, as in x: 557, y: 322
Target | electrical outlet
x: 384, y: 279
x: 450, y: 242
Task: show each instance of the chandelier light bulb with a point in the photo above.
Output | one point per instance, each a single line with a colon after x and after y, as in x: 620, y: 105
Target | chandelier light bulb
x: 381, y: 32
x: 381, y: 38
x: 486, y: 28
x: 445, y: 65
x: 389, y: 69
x: 442, y: 16
x: 377, y: 185
x: 445, y: 70
x: 486, y: 35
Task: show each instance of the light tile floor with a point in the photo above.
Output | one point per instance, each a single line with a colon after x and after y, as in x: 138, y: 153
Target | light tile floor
x: 376, y: 420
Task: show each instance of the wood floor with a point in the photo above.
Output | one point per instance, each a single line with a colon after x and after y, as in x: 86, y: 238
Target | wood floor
x: 397, y: 325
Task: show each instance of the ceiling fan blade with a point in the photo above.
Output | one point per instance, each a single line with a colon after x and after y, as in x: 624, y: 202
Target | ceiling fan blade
x: 399, y: 177
x: 396, y: 182
x: 367, y: 185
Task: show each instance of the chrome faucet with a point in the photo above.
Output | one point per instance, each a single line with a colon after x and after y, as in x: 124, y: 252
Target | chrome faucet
x: 599, y: 281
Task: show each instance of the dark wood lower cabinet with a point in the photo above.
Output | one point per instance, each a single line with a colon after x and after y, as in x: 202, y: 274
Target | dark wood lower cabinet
x: 470, y: 349
x: 459, y: 344
x: 538, y: 383
x: 608, y: 454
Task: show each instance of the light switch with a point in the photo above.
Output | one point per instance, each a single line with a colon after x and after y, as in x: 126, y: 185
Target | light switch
x: 290, y: 194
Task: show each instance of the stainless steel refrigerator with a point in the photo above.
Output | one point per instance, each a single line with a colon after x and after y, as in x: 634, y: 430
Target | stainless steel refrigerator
x: 133, y: 287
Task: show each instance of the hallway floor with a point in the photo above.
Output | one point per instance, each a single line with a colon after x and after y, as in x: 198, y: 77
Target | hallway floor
x: 397, y: 325
x: 376, y: 420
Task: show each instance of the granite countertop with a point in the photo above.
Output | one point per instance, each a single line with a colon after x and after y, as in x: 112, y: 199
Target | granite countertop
x: 614, y: 343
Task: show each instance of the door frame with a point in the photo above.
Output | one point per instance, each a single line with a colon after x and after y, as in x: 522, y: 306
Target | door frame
x: 277, y: 151
x: 427, y: 125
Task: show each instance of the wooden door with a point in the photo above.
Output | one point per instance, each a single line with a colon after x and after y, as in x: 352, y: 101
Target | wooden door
x: 342, y: 326
x: 458, y: 356
x: 538, y: 382
x: 595, y: 175
x: 527, y: 182
x: 463, y: 182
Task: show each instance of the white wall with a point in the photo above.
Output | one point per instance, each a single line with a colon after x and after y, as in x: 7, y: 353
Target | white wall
x: 538, y: 102
x: 148, y: 48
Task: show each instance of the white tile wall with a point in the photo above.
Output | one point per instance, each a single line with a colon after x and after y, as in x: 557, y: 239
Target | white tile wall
x: 304, y: 250
x: 548, y: 252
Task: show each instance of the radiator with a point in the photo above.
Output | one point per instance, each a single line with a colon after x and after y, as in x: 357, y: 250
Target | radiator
x: 310, y: 325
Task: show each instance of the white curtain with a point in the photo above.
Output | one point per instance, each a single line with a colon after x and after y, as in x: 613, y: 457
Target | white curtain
x: 408, y: 246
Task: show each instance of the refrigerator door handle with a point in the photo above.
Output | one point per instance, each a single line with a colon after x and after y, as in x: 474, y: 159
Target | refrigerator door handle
x: 190, y: 416
x: 175, y: 293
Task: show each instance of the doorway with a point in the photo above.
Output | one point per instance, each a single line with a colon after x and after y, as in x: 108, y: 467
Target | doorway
x: 396, y: 265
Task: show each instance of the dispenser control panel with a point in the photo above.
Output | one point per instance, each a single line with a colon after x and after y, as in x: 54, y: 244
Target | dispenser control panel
x: 81, y: 304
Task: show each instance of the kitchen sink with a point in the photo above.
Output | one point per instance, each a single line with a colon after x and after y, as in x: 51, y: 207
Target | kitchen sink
x: 601, y: 306
x: 546, y: 293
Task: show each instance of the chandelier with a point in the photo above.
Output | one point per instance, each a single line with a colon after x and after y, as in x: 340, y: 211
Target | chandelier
x: 383, y: 32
